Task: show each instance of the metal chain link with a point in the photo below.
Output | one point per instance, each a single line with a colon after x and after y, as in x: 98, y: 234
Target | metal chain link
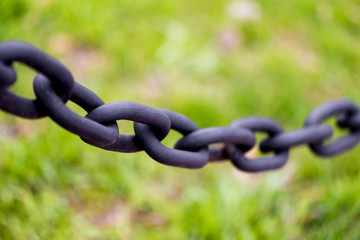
x: 54, y: 86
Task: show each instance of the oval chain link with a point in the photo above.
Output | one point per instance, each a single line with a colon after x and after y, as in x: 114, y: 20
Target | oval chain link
x: 237, y: 154
x: 323, y: 112
x: 61, y: 78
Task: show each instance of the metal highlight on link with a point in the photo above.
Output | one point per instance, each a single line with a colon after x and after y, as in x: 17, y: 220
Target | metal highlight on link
x: 54, y: 86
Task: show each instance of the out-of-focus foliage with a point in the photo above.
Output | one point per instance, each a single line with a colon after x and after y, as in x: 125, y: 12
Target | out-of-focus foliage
x: 213, y: 61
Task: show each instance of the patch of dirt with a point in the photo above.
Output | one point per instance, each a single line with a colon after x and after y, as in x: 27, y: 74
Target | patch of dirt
x: 81, y: 59
x: 115, y: 213
x: 301, y: 49
x: 228, y: 40
x: 244, y: 10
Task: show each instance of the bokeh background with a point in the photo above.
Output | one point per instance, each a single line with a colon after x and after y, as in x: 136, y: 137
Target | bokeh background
x: 214, y: 61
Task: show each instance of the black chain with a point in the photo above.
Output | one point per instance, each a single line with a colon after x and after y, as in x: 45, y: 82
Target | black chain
x: 54, y: 86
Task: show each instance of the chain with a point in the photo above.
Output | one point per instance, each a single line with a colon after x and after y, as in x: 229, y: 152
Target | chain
x: 54, y: 86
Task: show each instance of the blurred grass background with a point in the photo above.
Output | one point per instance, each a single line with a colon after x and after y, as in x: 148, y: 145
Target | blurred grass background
x: 213, y: 61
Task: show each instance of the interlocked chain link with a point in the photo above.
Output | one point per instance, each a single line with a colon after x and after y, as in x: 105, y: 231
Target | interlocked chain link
x: 54, y: 86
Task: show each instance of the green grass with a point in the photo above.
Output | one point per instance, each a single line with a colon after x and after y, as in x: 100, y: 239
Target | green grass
x: 293, y: 56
